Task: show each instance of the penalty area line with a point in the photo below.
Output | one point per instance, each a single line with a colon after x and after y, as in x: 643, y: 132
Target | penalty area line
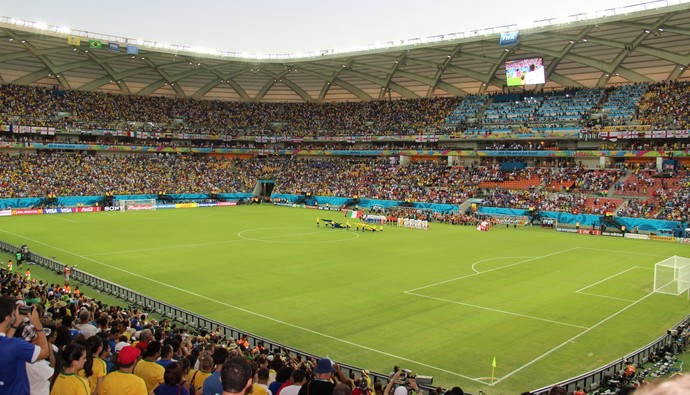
x: 490, y: 270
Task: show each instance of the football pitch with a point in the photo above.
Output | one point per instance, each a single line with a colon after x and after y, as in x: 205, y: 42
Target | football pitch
x: 442, y: 302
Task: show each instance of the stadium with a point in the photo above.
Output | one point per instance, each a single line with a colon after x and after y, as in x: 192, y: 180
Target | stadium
x: 500, y: 210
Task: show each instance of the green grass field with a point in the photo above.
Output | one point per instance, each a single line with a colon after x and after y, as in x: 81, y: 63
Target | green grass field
x: 441, y: 302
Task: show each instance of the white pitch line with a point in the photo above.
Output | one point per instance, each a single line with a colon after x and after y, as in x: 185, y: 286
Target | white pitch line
x: 252, y: 312
x: 496, y: 259
x: 488, y: 271
x: 604, y: 296
x: 570, y: 340
x: 624, y: 252
x: 500, y: 311
x: 607, y: 278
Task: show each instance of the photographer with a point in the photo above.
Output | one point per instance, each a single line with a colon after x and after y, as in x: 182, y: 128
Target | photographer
x: 405, y: 386
x: 15, y: 352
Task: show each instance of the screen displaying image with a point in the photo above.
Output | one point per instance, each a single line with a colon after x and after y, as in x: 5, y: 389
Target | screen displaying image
x: 525, y: 72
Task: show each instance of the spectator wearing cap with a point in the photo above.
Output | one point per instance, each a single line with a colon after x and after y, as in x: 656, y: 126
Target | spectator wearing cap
x: 322, y: 384
x: 122, y: 381
x: 236, y: 376
x: 212, y: 384
x: 68, y: 381
x: 148, y: 369
x: 39, y: 372
x: 299, y: 377
x: 15, y: 352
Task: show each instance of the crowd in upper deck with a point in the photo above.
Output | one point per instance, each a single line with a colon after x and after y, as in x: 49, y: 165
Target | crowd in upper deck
x: 661, y: 104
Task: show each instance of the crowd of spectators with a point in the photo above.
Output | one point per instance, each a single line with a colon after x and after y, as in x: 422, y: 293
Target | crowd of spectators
x: 530, y: 122
x: 71, y: 109
x: 665, y: 105
x: 551, y: 185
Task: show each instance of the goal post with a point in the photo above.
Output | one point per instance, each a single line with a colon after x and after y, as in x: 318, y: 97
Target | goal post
x: 136, y: 204
x: 672, y: 275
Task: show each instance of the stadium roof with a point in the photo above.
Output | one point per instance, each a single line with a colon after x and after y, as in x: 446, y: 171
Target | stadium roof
x: 642, y: 43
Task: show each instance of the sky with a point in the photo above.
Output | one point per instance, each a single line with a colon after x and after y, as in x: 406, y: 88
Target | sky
x: 283, y: 26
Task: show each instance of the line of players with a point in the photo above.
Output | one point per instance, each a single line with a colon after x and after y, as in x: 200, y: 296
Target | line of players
x: 339, y: 225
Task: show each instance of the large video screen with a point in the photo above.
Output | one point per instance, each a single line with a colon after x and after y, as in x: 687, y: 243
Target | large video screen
x: 528, y: 71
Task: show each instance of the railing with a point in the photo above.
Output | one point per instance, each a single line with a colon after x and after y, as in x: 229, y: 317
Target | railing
x: 587, y: 380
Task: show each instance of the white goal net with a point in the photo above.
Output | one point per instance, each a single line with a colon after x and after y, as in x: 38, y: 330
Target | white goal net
x: 136, y: 204
x: 672, y: 275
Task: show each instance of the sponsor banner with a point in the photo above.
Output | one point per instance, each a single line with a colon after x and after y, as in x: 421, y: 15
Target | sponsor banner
x: 88, y: 209
x: 141, y: 207
x: 612, y: 234
x: 589, y: 232
x: 662, y: 238
x: 50, y: 211
x: 112, y: 208
x: 208, y: 204
x: 683, y: 240
x: 508, y: 38
x: 5, y: 213
x: 28, y: 211
x: 164, y: 206
x: 186, y: 205
x: 566, y: 230
x: 329, y: 208
x: 66, y: 210
x: 312, y: 207
x: 227, y: 203
x: 636, y: 236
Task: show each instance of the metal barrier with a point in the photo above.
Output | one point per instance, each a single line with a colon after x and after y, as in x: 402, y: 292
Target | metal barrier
x: 198, y: 322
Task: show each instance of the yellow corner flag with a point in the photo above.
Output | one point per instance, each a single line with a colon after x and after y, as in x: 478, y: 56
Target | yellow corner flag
x: 493, y: 368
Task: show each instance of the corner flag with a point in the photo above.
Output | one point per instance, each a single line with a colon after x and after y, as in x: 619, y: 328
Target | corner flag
x: 493, y: 368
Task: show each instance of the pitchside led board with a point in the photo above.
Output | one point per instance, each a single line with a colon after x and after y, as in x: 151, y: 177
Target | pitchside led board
x: 528, y: 71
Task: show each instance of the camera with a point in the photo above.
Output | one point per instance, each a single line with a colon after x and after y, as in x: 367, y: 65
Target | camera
x: 25, y: 310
